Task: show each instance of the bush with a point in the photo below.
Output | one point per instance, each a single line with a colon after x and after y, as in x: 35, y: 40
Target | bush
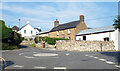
x: 40, y: 39
x: 6, y: 46
x: 33, y: 45
x: 52, y: 41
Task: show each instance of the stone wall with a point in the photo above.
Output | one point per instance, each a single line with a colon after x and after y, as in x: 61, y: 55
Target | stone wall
x: 72, y: 45
x: 27, y: 42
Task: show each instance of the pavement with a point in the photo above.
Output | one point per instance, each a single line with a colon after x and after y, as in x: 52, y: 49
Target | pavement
x: 36, y: 58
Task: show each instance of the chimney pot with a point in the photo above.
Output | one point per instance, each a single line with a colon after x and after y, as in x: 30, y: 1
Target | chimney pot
x: 81, y: 17
x: 56, y: 23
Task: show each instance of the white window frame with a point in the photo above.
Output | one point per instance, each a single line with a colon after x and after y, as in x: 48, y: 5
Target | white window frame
x: 63, y: 32
x: 68, y: 31
x: 57, y: 33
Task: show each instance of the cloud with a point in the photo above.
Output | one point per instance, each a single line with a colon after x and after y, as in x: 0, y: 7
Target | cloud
x: 44, y: 15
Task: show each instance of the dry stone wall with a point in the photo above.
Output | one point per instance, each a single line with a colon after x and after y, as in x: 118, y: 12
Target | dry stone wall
x: 72, y: 45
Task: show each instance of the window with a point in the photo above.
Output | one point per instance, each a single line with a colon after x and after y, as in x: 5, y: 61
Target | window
x: 31, y: 32
x: 24, y: 31
x: 68, y: 31
x: 69, y: 37
x: 57, y: 33
x: 84, y: 37
x: 106, y: 39
x: 63, y: 32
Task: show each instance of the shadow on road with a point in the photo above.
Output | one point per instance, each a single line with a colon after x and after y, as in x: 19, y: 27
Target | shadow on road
x: 23, y: 46
x: 8, y: 63
x: 116, y: 55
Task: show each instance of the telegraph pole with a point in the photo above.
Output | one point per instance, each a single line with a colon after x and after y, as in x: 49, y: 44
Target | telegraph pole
x: 19, y: 24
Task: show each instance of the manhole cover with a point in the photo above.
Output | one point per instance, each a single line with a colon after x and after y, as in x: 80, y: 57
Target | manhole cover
x: 45, y: 54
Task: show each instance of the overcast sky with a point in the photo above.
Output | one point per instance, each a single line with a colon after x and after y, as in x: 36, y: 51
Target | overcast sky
x: 43, y: 14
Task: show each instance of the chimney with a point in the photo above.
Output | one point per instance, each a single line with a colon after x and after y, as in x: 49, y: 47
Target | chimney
x: 56, y: 23
x: 9, y: 26
x: 28, y: 22
x: 81, y: 17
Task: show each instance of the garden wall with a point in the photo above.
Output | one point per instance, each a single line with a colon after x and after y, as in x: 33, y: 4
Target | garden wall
x: 72, y: 45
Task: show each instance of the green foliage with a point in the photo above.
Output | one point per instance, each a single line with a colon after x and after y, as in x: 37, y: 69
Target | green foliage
x: 30, y: 39
x: 117, y: 21
x: 52, y: 41
x: 40, y: 39
x: 10, y: 39
x: 33, y: 45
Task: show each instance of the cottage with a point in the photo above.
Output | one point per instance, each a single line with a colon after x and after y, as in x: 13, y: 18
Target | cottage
x: 67, y: 30
x: 28, y: 31
x: 107, y: 33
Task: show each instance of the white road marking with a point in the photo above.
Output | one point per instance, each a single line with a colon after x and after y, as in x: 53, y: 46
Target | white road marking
x: 34, y: 52
x: 67, y: 54
x: 60, y: 68
x: 103, y: 59
x: 21, y: 53
x: 91, y: 56
x: 45, y: 54
x: 118, y: 66
x: 109, y: 62
x: 18, y: 66
x: 28, y: 57
x: 95, y: 57
x: 86, y: 55
x: 39, y: 67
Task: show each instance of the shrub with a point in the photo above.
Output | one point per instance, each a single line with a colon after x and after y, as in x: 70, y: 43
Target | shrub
x: 33, y: 45
x: 40, y: 39
x: 52, y: 41
x: 6, y: 46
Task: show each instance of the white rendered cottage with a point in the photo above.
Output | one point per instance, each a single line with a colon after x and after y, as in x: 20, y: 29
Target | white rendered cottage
x: 28, y: 31
x: 107, y: 33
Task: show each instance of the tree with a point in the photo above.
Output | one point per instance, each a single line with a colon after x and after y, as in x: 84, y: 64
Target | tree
x: 117, y: 21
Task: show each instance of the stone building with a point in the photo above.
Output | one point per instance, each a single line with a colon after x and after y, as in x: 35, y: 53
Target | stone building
x: 67, y: 30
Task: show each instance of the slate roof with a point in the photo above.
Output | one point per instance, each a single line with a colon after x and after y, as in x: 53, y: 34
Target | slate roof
x: 38, y: 29
x: 15, y: 28
x: 68, y: 25
x: 96, y: 30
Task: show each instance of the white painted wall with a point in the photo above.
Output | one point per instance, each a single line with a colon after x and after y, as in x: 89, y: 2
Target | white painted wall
x: 28, y: 29
x: 98, y: 37
x: 117, y: 39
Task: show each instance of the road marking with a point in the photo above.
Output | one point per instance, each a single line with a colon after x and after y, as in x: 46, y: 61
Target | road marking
x: 60, y: 68
x: 18, y: 66
x: 45, y: 54
x: 96, y: 57
x: 109, y: 62
x: 86, y: 55
x: 118, y: 66
x: 67, y: 54
x: 103, y: 59
x: 39, y: 67
x: 28, y: 57
x: 21, y: 53
x: 91, y: 56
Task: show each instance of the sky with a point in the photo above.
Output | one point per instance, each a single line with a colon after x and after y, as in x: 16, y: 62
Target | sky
x: 43, y: 14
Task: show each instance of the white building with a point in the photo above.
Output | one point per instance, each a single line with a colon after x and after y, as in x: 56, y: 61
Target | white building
x: 28, y: 31
x: 107, y: 33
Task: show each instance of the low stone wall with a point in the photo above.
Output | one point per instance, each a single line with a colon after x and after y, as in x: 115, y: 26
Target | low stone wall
x: 72, y: 45
x: 27, y: 42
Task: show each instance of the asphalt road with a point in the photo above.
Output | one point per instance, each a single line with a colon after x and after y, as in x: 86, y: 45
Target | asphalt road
x: 36, y: 58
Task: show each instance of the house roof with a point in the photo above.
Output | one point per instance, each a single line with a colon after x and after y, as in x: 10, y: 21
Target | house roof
x: 15, y: 28
x: 43, y: 32
x: 66, y: 26
x: 23, y: 26
x: 97, y: 30
x: 38, y: 29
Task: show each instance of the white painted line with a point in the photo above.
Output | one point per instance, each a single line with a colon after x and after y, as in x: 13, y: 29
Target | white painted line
x: 21, y: 53
x: 45, y: 54
x: 109, y: 62
x: 86, y: 55
x: 91, y: 56
x: 96, y: 57
x: 103, y: 59
x: 60, y: 68
x: 67, y: 54
x: 28, y: 57
x: 34, y: 52
x: 118, y: 66
x: 18, y: 66
x: 39, y: 67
